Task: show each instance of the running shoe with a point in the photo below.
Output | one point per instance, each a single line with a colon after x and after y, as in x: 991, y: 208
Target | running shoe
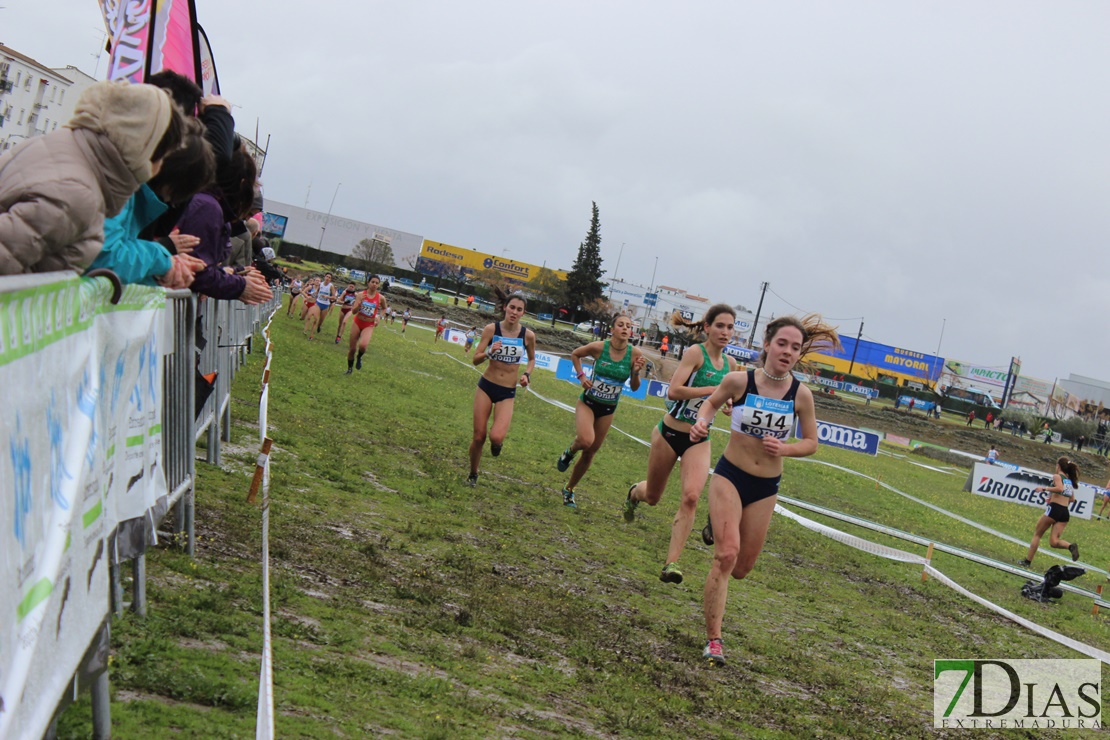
x: 568, y: 499
x: 494, y: 450
x: 337, y: 340
x: 358, y: 363
x: 1024, y: 563
x: 707, y: 532
x: 671, y: 574
x: 564, y: 460
x: 630, y: 509
x: 472, y: 480
x: 349, y: 371
x: 714, y: 652
x: 1073, y: 548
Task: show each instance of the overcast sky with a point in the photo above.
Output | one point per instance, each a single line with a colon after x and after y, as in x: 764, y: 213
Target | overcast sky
x: 908, y: 163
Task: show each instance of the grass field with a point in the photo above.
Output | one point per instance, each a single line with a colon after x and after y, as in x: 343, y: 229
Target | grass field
x: 407, y: 604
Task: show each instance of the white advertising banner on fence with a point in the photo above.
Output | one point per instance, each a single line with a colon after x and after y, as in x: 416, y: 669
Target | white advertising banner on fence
x: 1016, y: 486
x: 80, y: 450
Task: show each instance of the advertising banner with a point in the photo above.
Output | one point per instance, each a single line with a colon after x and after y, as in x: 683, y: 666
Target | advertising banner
x: 742, y: 353
x: 80, y: 449
x: 566, y: 372
x: 848, y: 438
x: 451, y: 260
x: 455, y: 336
x: 657, y: 388
x: 546, y: 361
x: 1016, y: 486
x: 885, y: 357
x: 128, y: 24
x: 975, y: 375
x: 841, y: 385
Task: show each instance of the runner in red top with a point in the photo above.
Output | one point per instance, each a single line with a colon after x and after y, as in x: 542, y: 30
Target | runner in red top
x: 369, y: 304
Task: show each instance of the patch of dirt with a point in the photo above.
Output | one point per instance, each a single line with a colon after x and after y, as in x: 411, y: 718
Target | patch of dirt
x: 127, y: 695
x: 373, y: 480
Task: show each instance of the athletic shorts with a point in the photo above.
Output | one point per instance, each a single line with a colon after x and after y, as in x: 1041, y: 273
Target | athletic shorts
x: 295, y: 293
x: 679, y: 441
x: 601, y: 410
x: 362, y: 323
x: 497, y: 393
x: 1058, y: 513
x: 323, y: 306
x: 751, y: 488
x: 346, y: 309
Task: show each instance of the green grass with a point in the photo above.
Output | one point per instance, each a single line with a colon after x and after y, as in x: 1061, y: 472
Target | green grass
x: 406, y: 603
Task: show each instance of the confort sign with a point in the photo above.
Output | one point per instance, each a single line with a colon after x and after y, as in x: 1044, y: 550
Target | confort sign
x: 471, y: 261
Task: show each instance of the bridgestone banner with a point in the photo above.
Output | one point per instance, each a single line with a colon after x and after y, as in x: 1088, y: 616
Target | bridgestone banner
x: 80, y: 451
x: 1016, y: 486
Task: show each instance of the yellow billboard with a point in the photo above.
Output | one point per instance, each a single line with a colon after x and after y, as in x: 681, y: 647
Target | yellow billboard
x: 471, y: 261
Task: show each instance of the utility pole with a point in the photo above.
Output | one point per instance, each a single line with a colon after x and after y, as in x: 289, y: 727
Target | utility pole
x: 327, y: 218
x: 616, y: 272
x: 1011, y: 383
x: 855, y: 348
x: 755, y: 324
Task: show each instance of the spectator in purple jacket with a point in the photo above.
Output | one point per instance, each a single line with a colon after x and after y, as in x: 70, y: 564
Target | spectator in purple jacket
x: 208, y: 217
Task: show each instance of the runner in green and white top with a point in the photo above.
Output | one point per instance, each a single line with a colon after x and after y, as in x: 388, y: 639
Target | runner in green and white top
x: 615, y: 361
x: 697, y: 376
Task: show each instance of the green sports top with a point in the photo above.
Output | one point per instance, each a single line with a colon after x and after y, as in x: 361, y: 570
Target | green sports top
x: 706, y: 376
x: 609, y: 376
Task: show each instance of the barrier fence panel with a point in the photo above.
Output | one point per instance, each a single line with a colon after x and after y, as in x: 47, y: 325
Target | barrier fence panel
x: 99, y: 443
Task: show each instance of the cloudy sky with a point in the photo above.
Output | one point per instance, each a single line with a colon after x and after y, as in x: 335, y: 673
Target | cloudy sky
x: 922, y: 165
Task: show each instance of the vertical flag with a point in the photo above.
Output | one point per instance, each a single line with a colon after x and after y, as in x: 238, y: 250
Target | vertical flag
x: 128, y: 24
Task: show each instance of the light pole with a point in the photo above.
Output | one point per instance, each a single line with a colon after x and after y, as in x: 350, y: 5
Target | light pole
x: 943, y: 323
x: 652, y: 291
x: 616, y: 272
x: 324, y: 228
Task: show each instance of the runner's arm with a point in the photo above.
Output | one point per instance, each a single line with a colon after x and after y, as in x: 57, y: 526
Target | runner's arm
x: 732, y: 386
x: 480, y: 350
x: 593, y: 349
x: 638, y: 362
x: 807, y: 420
x: 530, y: 347
x: 687, y: 366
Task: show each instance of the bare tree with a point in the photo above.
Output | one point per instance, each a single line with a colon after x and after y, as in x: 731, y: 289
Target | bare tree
x: 375, y: 252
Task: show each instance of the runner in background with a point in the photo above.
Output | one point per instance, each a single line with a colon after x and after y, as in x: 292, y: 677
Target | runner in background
x: 1105, y: 501
x: 441, y: 326
x: 309, y: 296
x: 405, y: 320
x: 346, y: 303
x: 294, y: 295
x: 1065, y: 482
x: 368, y: 307
x: 504, y: 343
x: 745, y: 482
x: 701, y: 370
x: 325, y: 299
x: 615, y: 361
x: 470, y: 335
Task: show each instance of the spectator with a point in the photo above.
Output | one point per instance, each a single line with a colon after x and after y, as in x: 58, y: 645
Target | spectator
x: 664, y: 346
x: 56, y: 190
x: 987, y: 421
x: 970, y: 417
x: 912, y: 401
x: 184, y: 172
x: 208, y: 217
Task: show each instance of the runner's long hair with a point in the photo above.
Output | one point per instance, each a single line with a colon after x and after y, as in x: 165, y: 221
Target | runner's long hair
x: 1070, y: 469
x: 504, y: 295
x: 817, y: 336
x: 697, y: 328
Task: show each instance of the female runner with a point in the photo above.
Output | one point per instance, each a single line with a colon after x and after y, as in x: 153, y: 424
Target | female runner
x: 309, y: 294
x: 346, y: 304
x: 504, y: 343
x: 370, y: 304
x: 325, y: 297
x: 615, y: 361
x: 745, y: 482
x: 405, y: 320
x: 294, y: 294
x: 697, y: 376
x: 1064, y: 484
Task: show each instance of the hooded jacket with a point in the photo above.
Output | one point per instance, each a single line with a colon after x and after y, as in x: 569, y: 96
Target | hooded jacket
x: 56, y: 190
x: 133, y: 259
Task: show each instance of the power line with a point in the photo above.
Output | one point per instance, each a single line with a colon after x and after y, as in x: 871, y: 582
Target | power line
x: 803, y: 310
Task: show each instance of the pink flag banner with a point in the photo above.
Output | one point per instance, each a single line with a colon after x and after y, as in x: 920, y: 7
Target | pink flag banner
x: 128, y: 24
x: 173, y: 44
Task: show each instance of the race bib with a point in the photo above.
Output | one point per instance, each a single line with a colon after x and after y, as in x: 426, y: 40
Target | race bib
x: 369, y: 309
x: 766, y: 417
x: 605, y: 389
x: 511, y: 352
x: 693, y: 406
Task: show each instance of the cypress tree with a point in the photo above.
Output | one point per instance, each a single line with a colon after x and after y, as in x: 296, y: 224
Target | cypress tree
x: 584, y: 283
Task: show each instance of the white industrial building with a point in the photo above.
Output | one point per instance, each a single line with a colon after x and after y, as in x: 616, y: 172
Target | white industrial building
x: 333, y: 233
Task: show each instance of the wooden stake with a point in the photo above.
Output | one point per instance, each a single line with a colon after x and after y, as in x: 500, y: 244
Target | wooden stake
x: 1098, y: 590
x: 259, y: 469
x: 928, y: 560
